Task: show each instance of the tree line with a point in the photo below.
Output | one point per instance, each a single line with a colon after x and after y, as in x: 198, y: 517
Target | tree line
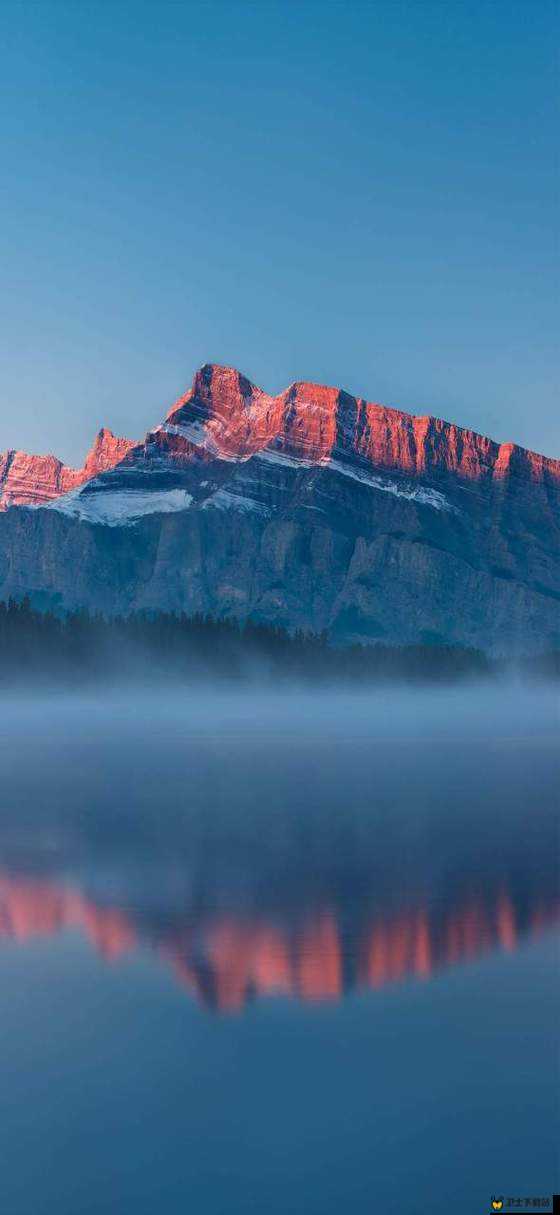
x: 79, y: 646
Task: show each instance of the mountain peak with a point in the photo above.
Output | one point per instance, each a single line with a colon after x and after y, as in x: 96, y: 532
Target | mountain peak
x: 311, y: 508
x: 30, y: 480
x: 225, y: 414
x: 106, y: 451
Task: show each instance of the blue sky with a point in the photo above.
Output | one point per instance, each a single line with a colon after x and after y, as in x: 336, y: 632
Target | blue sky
x: 363, y: 194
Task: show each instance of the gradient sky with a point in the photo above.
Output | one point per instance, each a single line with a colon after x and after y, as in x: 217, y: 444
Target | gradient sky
x: 362, y: 194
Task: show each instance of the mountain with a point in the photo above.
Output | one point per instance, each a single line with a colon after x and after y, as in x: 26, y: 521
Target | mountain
x: 35, y: 480
x: 311, y: 509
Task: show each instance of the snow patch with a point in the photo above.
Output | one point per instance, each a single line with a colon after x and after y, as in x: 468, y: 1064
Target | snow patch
x: 281, y: 457
x: 223, y: 499
x: 419, y: 493
x: 200, y: 436
x: 414, y: 493
x: 119, y: 507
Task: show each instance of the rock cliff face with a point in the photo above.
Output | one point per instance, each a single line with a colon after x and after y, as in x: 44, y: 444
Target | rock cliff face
x: 312, y: 509
x: 224, y: 414
x: 35, y: 480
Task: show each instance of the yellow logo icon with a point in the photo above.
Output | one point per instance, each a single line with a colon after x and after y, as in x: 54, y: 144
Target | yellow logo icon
x: 497, y: 1204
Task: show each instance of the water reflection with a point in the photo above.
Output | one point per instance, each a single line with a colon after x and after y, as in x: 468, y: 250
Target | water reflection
x: 281, y: 951
x: 286, y: 846
x: 226, y: 960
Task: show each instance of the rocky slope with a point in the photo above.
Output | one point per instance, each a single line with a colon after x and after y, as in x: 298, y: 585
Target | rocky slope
x: 27, y: 480
x: 314, y: 509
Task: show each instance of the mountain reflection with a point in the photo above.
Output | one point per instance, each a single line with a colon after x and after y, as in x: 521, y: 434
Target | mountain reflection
x: 226, y: 960
x: 302, y: 845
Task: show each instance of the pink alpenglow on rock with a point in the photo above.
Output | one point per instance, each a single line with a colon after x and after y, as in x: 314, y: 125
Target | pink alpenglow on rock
x: 225, y: 415
x: 27, y: 480
x: 312, y: 509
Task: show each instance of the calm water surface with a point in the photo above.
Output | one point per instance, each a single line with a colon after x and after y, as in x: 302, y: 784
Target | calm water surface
x: 278, y: 954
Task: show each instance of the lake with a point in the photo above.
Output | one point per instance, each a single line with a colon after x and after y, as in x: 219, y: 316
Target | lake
x: 278, y: 953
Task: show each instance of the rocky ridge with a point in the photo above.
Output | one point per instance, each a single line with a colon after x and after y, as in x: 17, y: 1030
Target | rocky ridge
x: 28, y: 480
x: 312, y: 509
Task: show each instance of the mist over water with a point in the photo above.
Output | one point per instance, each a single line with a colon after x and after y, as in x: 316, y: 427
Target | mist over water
x: 295, y: 944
